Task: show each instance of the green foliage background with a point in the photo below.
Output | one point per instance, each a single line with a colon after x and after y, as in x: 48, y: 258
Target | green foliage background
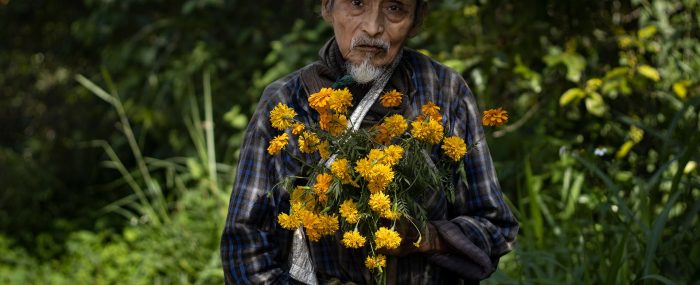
x: 120, y: 124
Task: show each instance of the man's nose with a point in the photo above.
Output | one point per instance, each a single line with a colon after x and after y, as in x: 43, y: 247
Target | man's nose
x: 373, y: 22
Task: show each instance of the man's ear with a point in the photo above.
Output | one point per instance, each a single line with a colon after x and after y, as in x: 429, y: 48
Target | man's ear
x: 326, y: 11
x: 422, y: 13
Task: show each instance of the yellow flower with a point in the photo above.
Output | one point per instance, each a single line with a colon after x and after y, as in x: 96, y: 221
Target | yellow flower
x: 454, y: 147
x: 386, y: 238
x: 308, y: 142
x: 395, y: 124
x: 382, y: 136
x: 282, y: 116
x: 277, y: 144
x: 432, y: 111
x: 393, y: 154
x: 494, y: 117
x: 297, y: 128
x: 288, y: 222
x: 376, y: 155
x: 338, y: 124
x: 379, y: 202
x: 348, y: 210
x: 340, y: 100
x: 324, y: 120
x: 391, y: 99
x: 319, y: 100
x: 380, y: 177
x: 311, y: 224
x: 375, y: 262
x: 391, y: 215
x: 323, y: 150
x: 341, y: 169
x: 301, y: 199
x: 430, y: 131
x: 363, y: 167
x: 323, y: 183
x: 328, y: 224
x: 353, y: 239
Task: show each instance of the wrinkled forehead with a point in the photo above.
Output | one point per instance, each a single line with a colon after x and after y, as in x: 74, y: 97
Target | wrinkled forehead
x: 330, y: 2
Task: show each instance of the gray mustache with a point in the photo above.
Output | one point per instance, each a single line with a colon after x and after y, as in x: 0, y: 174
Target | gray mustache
x: 367, y: 41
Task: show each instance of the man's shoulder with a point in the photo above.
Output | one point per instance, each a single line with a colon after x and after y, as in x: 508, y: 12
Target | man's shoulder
x: 425, y: 64
x: 289, y: 83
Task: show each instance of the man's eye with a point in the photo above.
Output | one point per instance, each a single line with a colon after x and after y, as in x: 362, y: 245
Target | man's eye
x: 357, y: 3
x: 395, y: 8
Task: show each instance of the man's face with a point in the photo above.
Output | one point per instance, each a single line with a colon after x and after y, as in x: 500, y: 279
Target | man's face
x: 373, y: 30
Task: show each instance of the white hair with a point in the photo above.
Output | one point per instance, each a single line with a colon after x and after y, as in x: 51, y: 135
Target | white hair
x: 365, y: 72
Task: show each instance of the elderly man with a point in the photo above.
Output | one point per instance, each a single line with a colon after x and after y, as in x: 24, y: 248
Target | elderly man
x: 367, y: 55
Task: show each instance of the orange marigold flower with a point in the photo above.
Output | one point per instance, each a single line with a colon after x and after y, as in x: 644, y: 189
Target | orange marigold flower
x: 312, y: 224
x: 277, y: 144
x: 340, y: 100
x: 353, y: 239
x: 324, y: 120
x: 387, y: 238
x: 323, y: 150
x: 290, y: 222
x: 375, y: 262
x: 382, y: 136
x: 298, y: 128
x: 308, y: 142
x: 432, y: 111
x: 454, y: 147
x: 341, y: 169
x: 494, y: 117
x: 393, y: 154
x: 338, y: 124
x: 391, y: 98
x: 348, y: 210
x: 379, y: 202
x: 329, y: 224
x: 363, y: 167
x: 282, y: 116
x: 323, y: 183
x: 430, y: 131
x: 319, y: 100
x: 391, y: 215
x: 395, y: 125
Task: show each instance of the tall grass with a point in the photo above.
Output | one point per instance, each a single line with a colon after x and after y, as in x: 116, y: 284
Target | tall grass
x: 583, y: 223
x: 176, y: 213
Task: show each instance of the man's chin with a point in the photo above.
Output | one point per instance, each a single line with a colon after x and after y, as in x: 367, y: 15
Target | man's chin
x: 364, y: 72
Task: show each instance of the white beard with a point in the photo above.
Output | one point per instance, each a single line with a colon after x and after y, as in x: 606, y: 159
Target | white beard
x: 365, y: 72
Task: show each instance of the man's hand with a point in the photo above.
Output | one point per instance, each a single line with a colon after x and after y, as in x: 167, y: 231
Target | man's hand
x: 430, y: 240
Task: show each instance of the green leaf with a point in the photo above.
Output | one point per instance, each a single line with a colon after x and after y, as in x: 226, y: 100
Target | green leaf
x: 595, y: 104
x: 571, y: 95
x: 624, y: 149
x: 681, y: 88
x: 647, y: 32
x: 649, y: 72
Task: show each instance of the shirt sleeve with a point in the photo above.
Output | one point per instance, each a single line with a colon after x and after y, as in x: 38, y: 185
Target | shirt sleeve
x: 481, y: 227
x: 253, y: 247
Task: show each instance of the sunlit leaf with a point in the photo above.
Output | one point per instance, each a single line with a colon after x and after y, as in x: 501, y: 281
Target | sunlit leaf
x: 647, y: 32
x: 571, y: 95
x: 681, y: 88
x: 595, y: 104
x: 624, y: 149
x: 649, y: 72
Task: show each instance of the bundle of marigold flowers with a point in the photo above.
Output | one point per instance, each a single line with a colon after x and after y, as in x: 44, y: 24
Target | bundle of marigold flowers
x: 363, y: 182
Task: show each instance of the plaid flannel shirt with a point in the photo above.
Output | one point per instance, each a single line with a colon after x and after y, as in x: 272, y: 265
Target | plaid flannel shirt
x: 479, y: 226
